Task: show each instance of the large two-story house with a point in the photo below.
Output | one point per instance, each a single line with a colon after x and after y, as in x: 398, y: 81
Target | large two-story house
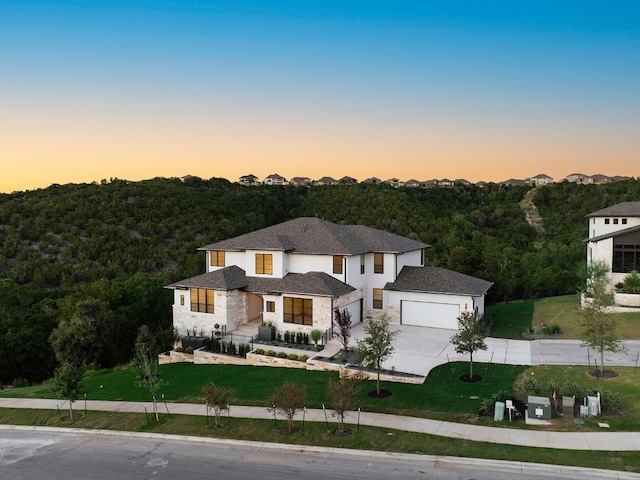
x: 295, y: 274
x: 614, y: 239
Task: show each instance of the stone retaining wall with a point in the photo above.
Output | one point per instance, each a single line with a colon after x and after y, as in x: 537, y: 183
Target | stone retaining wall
x: 203, y: 357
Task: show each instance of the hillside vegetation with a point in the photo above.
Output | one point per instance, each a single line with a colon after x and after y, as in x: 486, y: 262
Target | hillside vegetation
x: 114, y: 244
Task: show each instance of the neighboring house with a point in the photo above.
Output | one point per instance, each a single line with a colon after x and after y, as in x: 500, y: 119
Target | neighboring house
x: 515, y: 181
x: 445, y: 182
x: 413, y: 183
x: 249, y: 180
x: 300, y: 181
x: 540, y: 179
x: 374, y: 180
x: 295, y: 274
x: 275, y: 179
x: 348, y: 180
x: 614, y: 238
x: 462, y: 181
x: 395, y: 182
x: 579, y: 178
x: 326, y: 181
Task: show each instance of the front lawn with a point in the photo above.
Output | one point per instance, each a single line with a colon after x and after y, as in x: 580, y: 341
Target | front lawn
x: 510, y: 320
x: 442, y: 395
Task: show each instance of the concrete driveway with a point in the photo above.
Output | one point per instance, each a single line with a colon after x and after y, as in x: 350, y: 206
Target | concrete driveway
x: 419, y: 349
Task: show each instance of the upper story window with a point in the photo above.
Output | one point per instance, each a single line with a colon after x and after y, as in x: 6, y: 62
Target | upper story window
x: 337, y: 264
x: 217, y: 258
x: 264, y: 263
x: 624, y: 221
x: 362, y: 259
x: 378, y: 263
x: 606, y: 221
x: 377, y: 298
x: 615, y: 221
x: 202, y: 300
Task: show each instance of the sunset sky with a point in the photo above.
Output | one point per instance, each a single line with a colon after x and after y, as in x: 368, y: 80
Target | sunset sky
x: 482, y: 90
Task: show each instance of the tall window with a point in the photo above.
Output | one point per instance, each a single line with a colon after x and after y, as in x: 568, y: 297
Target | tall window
x: 362, y: 259
x: 202, y: 300
x: 264, y: 263
x: 217, y: 258
x: 182, y: 300
x: 337, y: 264
x: 625, y: 258
x: 378, y: 263
x: 298, y: 310
x: 377, y: 298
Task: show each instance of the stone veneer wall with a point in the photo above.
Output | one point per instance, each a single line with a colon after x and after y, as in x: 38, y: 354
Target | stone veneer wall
x: 203, y: 357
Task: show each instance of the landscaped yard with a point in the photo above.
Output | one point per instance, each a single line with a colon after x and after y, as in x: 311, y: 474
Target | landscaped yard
x: 442, y: 396
x: 512, y: 319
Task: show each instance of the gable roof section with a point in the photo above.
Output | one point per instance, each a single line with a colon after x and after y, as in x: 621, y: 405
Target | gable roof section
x: 438, y: 280
x: 624, y: 209
x: 234, y: 278
x: 311, y: 235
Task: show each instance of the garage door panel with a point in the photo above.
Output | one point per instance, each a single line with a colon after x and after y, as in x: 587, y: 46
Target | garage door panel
x: 355, y: 309
x: 430, y: 314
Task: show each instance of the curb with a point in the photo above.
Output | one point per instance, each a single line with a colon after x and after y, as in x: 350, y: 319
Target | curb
x: 433, y: 461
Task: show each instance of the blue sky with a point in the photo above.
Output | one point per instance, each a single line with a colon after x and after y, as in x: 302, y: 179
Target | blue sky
x: 457, y: 89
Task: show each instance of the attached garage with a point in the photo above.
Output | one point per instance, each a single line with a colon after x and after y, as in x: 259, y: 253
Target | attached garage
x: 355, y: 309
x: 429, y: 314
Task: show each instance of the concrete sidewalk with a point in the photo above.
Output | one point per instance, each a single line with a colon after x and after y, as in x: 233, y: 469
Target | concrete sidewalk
x: 599, y: 441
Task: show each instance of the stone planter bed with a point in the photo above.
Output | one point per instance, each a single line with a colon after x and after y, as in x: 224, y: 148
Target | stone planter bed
x: 627, y: 300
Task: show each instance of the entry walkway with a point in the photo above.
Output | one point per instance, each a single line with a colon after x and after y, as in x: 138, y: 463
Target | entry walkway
x: 599, y: 441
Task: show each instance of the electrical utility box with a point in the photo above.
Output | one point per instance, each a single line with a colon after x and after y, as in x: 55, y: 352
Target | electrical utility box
x: 594, y: 406
x: 539, y: 408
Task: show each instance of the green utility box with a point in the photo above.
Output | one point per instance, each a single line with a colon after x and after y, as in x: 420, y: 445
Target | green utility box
x: 539, y: 408
x: 498, y: 414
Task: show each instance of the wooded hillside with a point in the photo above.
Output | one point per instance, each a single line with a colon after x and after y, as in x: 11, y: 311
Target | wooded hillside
x: 117, y: 243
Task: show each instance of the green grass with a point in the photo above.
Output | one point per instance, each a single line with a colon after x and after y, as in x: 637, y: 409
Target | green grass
x: 442, y: 395
x: 512, y: 319
x: 366, y: 438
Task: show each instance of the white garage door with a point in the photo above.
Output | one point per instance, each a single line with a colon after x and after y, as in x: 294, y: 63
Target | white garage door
x: 355, y: 309
x: 429, y: 314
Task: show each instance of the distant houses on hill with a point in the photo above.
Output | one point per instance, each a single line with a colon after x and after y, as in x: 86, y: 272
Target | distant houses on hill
x: 540, y: 179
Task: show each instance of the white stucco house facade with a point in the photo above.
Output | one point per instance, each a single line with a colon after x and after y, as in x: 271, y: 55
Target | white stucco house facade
x: 614, y: 239
x: 295, y: 274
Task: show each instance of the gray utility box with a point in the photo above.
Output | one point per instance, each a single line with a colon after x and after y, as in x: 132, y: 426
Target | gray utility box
x: 568, y: 406
x: 539, y: 407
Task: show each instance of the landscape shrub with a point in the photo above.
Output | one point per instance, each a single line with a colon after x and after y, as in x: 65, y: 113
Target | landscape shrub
x: 488, y: 405
x: 530, y: 384
x: 573, y: 389
x: 281, y: 355
x: 259, y: 351
x: 270, y: 353
x: 293, y: 356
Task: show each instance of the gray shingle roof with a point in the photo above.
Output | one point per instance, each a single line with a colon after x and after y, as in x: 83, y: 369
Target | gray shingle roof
x: 624, y: 209
x: 438, y: 280
x: 310, y: 235
x: 234, y: 278
x: 229, y: 278
x: 312, y: 283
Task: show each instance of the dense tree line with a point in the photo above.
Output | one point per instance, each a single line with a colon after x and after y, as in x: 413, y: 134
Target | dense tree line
x: 104, y: 250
